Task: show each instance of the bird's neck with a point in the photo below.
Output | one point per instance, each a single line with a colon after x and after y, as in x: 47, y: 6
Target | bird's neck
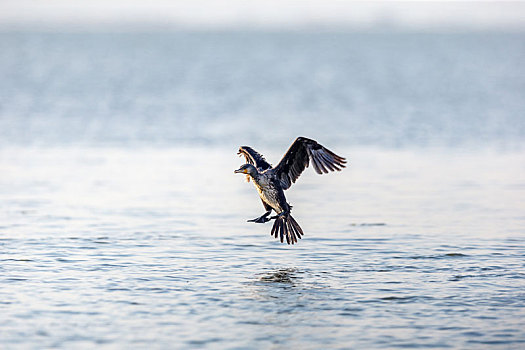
x: 255, y: 175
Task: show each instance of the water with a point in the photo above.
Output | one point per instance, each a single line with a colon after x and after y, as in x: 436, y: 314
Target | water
x: 122, y: 224
x: 221, y: 88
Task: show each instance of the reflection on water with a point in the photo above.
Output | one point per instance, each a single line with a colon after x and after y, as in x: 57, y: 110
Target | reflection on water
x: 286, y: 276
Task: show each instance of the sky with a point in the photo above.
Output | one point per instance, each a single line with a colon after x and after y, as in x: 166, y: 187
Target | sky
x: 273, y: 14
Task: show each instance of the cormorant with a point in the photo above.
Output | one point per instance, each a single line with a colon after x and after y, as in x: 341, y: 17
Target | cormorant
x: 272, y: 181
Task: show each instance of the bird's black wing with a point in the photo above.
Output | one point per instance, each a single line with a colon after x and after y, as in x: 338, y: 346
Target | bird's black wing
x: 254, y: 158
x: 300, y: 154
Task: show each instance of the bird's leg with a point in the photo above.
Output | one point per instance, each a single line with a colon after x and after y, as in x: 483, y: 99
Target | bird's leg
x: 283, y: 213
x: 262, y: 219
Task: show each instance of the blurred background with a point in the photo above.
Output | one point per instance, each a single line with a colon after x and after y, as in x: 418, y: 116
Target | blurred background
x: 122, y: 224
x: 388, y: 74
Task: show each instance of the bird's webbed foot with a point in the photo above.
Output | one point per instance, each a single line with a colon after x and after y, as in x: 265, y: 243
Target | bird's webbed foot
x: 261, y: 219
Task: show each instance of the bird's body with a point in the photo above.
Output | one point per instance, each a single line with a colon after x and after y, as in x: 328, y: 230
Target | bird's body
x: 271, y: 182
x: 270, y: 191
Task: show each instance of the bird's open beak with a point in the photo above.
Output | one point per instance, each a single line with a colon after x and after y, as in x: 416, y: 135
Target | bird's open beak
x: 239, y: 171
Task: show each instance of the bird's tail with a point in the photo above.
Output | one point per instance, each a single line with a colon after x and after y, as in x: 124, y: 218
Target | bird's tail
x: 286, y: 226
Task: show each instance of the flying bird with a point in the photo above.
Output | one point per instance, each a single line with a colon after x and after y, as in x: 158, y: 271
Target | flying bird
x: 271, y: 182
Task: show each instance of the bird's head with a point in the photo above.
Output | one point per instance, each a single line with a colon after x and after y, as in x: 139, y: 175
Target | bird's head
x: 247, y: 169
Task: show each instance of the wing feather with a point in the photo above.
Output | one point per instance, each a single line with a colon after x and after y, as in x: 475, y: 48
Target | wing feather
x: 301, y: 153
x: 327, y: 162
x: 254, y: 158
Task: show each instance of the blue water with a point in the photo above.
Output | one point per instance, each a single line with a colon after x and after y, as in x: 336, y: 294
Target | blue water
x: 122, y: 224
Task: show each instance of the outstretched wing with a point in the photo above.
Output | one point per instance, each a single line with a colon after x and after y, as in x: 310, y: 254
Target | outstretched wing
x: 300, y: 154
x: 254, y: 158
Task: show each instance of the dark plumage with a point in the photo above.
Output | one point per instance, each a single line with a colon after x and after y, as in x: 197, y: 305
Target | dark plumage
x: 271, y: 182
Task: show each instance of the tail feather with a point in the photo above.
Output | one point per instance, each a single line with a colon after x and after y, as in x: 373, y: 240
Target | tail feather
x: 298, y: 228
x: 281, y: 229
x: 286, y: 226
x: 274, y: 229
x: 292, y: 232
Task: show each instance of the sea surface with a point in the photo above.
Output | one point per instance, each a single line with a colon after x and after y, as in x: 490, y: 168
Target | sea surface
x: 123, y: 226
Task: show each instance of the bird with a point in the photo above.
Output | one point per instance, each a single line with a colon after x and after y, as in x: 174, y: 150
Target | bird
x: 271, y: 182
